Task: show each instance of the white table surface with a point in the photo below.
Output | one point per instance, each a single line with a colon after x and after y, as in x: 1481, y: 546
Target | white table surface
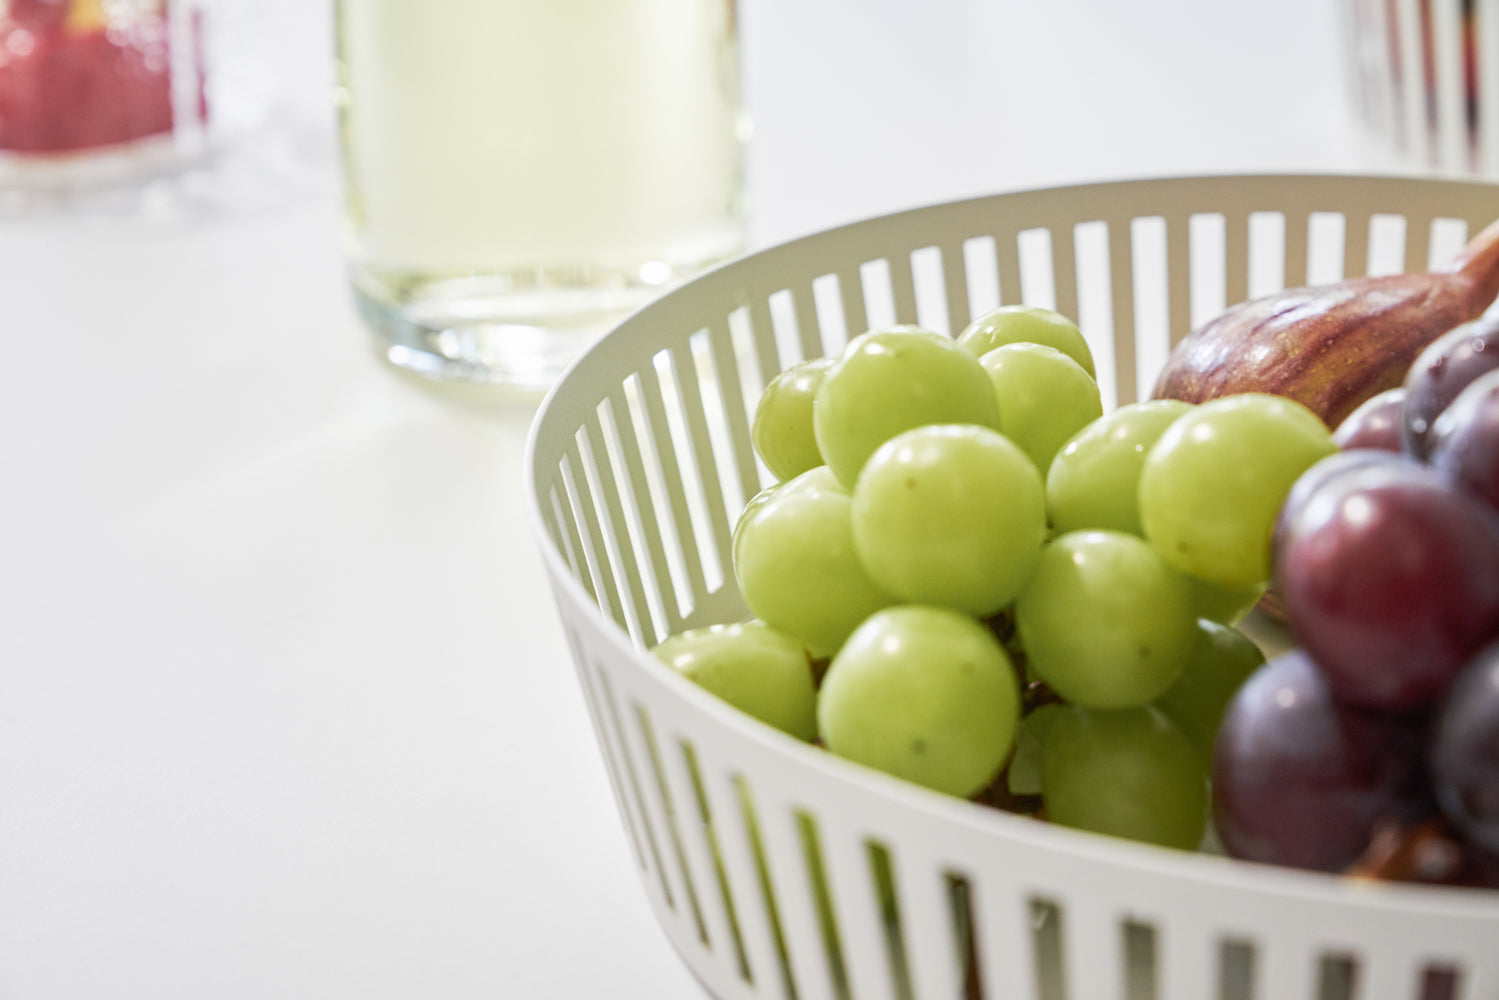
x: 285, y: 710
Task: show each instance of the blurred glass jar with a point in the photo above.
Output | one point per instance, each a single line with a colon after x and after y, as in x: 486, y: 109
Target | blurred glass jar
x: 154, y: 106
x: 1424, y: 77
x: 521, y: 174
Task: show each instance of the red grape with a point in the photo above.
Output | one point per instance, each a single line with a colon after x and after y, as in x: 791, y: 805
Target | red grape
x: 1375, y: 424
x: 1390, y: 580
x: 1443, y: 370
x: 1465, y: 751
x: 1464, y: 440
x: 1322, y: 472
x: 1301, y: 779
x: 1481, y: 868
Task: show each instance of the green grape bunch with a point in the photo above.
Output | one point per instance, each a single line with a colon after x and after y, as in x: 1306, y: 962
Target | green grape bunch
x: 969, y: 577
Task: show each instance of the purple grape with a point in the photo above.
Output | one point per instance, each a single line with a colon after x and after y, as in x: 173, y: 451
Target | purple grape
x: 1481, y: 868
x: 1301, y: 779
x: 1375, y: 424
x: 1390, y: 579
x: 1301, y: 491
x: 1464, y: 442
x: 1465, y: 751
x: 1311, y: 482
x: 1440, y: 372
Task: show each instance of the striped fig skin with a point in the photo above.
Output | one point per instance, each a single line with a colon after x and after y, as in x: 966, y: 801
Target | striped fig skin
x: 1331, y: 347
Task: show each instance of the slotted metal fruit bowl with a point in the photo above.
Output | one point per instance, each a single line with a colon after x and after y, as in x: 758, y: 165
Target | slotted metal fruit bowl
x: 777, y: 870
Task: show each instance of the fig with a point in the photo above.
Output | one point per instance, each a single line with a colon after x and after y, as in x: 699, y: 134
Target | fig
x: 1332, y: 347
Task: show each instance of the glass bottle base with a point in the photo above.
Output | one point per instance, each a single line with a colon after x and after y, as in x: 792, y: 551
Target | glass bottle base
x: 514, y: 330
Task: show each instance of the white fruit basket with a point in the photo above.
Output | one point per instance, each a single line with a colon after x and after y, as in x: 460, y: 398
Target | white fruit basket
x: 778, y: 870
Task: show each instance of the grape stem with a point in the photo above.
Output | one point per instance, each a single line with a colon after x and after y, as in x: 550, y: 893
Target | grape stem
x: 1425, y: 852
x: 1036, y: 694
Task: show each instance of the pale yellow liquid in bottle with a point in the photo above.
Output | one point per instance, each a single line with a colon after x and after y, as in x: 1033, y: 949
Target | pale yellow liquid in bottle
x: 521, y: 173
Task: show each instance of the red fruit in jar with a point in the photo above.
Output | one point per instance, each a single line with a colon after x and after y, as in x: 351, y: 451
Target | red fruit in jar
x: 65, y: 90
x: 40, y: 15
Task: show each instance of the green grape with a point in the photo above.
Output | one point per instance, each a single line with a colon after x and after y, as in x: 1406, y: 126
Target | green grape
x: 1224, y: 605
x: 923, y: 693
x: 1028, y: 325
x: 1044, y: 398
x: 796, y: 565
x: 888, y: 381
x: 950, y: 514
x: 1211, y: 487
x: 1104, y: 621
x: 782, y: 429
x: 750, y: 665
x: 1024, y: 773
x: 1222, y: 659
x: 1128, y: 773
x: 1094, y: 481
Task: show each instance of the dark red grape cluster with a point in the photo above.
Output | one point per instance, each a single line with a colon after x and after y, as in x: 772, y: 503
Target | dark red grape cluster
x: 1377, y: 738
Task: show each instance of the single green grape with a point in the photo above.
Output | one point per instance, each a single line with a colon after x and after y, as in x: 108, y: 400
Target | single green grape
x: 1024, y: 772
x: 1094, y: 481
x: 1104, y: 621
x: 950, y: 514
x: 1016, y: 324
x: 796, y: 565
x: 1045, y: 397
x: 1222, y: 660
x: 782, y: 429
x: 888, y: 381
x: 753, y: 667
x: 1213, y: 483
x: 1225, y: 605
x: 924, y: 693
x: 1127, y: 773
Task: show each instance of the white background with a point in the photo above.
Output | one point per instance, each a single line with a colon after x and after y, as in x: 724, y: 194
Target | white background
x: 285, y: 710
